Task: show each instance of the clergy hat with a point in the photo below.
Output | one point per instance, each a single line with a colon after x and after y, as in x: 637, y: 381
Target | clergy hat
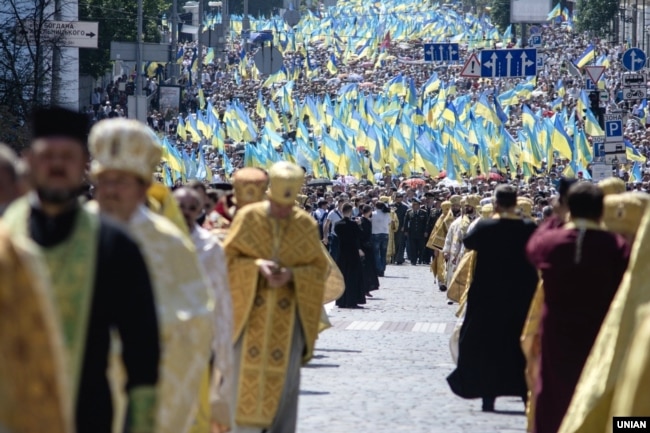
x: 286, y: 181
x: 487, y: 210
x: 445, y: 206
x: 60, y: 122
x: 124, y: 145
x: 525, y: 205
x: 473, y: 200
x: 622, y: 213
x: 455, y: 199
x: 612, y: 185
x: 250, y: 185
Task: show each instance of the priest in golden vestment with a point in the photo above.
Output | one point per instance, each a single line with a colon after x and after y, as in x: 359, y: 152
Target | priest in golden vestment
x: 33, y: 393
x: 125, y: 155
x: 277, y: 273
x: 606, y: 372
x: 437, y: 241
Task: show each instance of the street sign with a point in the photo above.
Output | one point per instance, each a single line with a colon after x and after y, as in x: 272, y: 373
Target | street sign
x: 613, y: 128
x: 634, y: 59
x: 598, y: 139
x: 540, y: 62
x: 472, y: 68
x: 615, y: 153
x: 534, y: 30
x: 268, y: 60
x: 536, y: 41
x: 441, y: 52
x: 589, y: 85
x: 72, y: 34
x: 151, y: 52
x: 604, y: 96
x: 509, y: 63
x: 600, y: 171
x: 634, y: 93
x: 291, y: 17
x: 594, y: 72
x: 634, y: 79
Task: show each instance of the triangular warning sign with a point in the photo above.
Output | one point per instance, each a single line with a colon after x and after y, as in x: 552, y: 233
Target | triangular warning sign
x: 594, y: 72
x: 472, y: 68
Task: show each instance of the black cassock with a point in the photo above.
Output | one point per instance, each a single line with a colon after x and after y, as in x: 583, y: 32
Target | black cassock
x: 370, y: 278
x: 490, y: 360
x: 349, y: 262
x: 122, y: 300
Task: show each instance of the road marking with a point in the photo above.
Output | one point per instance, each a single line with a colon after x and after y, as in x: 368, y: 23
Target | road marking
x: 367, y: 325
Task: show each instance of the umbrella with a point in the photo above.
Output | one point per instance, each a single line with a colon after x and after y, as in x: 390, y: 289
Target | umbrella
x: 414, y: 182
x: 319, y: 182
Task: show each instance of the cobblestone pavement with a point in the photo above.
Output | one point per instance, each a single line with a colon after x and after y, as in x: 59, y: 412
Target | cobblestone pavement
x: 383, y: 369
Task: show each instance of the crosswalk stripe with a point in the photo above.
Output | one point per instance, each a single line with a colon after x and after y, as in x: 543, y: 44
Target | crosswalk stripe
x: 373, y: 325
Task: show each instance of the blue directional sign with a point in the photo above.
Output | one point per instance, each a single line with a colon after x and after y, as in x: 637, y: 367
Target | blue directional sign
x: 634, y: 59
x: 536, y: 40
x: 613, y: 128
x: 441, y: 52
x: 509, y: 63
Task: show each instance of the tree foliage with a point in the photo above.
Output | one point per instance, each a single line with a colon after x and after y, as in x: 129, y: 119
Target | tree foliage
x: 25, y: 65
x: 500, y: 14
x: 255, y: 7
x: 118, y: 21
x: 596, y: 15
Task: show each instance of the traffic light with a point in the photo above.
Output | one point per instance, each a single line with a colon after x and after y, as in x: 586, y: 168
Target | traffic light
x: 594, y: 99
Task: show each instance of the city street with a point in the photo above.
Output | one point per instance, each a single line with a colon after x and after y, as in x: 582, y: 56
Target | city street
x: 383, y: 369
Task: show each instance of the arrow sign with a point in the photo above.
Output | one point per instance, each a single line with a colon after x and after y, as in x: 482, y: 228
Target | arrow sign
x: 594, y: 72
x: 509, y: 63
x: 472, y: 67
x: 440, y: 52
x: 633, y: 59
x: 73, y: 34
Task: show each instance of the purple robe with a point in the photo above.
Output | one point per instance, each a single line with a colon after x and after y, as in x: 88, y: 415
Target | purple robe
x: 576, y: 299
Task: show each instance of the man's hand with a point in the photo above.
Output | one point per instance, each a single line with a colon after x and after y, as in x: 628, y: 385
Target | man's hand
x: 446, y: 256
x: 325, y: 241
x: 276, y: 276
x: 361, y: 253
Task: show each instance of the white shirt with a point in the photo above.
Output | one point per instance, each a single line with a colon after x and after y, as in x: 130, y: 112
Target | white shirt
x: 380, y: 222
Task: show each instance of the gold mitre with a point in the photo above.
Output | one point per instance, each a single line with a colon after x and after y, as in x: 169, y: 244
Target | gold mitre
x: 623, y: 213
x: 384, y: 199
x: 125, y: 145
x: 250, y: 185
x: 473, y: 200
x: 612, y: 185
x: 487, y: 210
x: 445, y: 206
x: 526, y: 206
x: 455, y: 200
x: 286, y: 180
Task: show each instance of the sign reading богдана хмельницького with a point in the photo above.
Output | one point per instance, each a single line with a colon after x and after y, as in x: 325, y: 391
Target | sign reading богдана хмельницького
x: 631, y: 423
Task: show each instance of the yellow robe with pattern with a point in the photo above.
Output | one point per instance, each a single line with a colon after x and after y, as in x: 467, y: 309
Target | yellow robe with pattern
x: 264, y: 317
x: 33, y: 381
x: 631, y: 397
x: 531, y: 345
x: 590, y: 408
x: 437, y: 242
x: 184, y: 305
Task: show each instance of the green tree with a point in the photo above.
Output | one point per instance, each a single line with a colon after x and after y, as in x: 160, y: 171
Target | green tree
x: 118, y: 22
x: 26, y: 52
x: 596, y: 15
x: 500, y: 14
x: 255, y: 7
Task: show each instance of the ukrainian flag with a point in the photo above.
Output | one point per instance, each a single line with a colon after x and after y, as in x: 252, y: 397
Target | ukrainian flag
x: 588, y: 55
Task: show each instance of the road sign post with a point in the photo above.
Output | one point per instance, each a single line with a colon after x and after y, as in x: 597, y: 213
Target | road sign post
x: 441, y: 53
x: 70, y: 34
x: 614, y: 145
x: 508, y: 63
x: 633, y: 59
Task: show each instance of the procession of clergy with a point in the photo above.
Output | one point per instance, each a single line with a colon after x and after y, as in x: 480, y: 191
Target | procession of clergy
x: 556, y: 311
x: 123, y: 314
